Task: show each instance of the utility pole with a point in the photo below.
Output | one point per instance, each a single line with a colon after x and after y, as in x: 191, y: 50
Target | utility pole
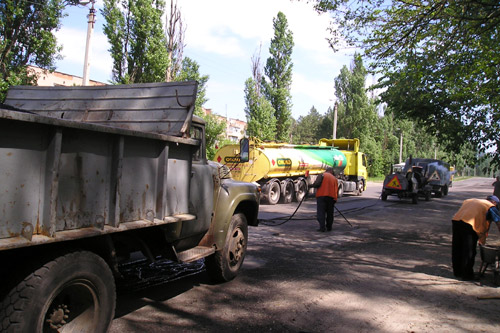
x: 90, y: 29
x: 335, y: 121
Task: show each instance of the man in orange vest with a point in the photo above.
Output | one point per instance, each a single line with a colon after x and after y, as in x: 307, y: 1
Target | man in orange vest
x: 470, y: 224
x: 326, y: 197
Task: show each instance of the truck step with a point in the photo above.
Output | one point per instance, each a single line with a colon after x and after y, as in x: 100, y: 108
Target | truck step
x: 179, y: 218
x: 195, y: 253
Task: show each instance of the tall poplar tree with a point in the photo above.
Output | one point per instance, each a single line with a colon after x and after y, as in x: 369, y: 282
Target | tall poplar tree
x: 261, y: 122
x: 356, y: 114
x: 135, y: 31
x: 278, y: 81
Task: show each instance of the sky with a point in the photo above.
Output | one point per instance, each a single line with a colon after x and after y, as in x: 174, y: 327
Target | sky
x: 222, y: 36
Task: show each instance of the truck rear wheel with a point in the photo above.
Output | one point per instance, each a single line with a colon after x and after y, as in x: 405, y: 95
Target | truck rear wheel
x: 225, y: 264
x: 74, y: 293
x: 287, y: 190
x: 300, y: 189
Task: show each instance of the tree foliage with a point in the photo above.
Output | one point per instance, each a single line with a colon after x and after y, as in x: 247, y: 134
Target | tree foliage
x: 175, y: 32
x: 261, y: 122
x: 278, y: 71
x: 356, y: 113
x: 27, y: 37
x: 380, y: 135
x: 214, y: 128
x: 259, y: 112
x: 138, y: 44
x: 439, y: 61
x: 307, y: 129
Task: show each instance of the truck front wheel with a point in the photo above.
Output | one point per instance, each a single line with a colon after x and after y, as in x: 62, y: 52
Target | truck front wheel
x: 225, y: 264
x: 273, y: 192
x: 74, y: 293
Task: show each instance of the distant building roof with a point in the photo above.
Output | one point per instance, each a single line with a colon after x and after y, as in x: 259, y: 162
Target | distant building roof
x: 47, y: 78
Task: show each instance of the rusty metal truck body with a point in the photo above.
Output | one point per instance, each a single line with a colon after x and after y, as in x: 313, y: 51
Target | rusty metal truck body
x: 90, y: 175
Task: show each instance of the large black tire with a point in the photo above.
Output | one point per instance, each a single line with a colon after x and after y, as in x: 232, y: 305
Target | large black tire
x: 225, y: 264
x: 361, y: 187
x: 273, y: 192
x: 287, y: 190
x: 384, y: 196
x: 72, y: 293
x: 414, y: 198
x: 301, y: 189
x: 445, y: 190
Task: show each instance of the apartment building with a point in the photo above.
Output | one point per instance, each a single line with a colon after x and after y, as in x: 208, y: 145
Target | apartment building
x: 235, y: 128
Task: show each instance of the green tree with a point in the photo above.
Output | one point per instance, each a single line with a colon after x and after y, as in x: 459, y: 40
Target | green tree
x: 356, y: 114
x: 438, y: 59
x: 214, y: 128
x: 27, y: 37
x: 261, y: 122
x: 278, y: 71
x: 259, y: 113
x: 307, y: 129
x: 138, y: 43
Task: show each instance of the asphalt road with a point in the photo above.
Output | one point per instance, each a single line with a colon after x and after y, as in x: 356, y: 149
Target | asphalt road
x: 386, y: 267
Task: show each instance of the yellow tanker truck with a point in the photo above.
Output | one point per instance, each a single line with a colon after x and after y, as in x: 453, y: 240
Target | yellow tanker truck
x: 285, y: 172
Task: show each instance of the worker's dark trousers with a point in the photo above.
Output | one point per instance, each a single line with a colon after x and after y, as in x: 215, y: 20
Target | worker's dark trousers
x: 324, y: 208
x: 463, y: 250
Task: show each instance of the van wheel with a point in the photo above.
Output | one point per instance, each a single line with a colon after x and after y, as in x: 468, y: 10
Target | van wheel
x: 445, y: 190
x: 414, y: 198
x: 384, y: 196
x: 74, y: 293
x: 225, y: 264
x: 287, y: 190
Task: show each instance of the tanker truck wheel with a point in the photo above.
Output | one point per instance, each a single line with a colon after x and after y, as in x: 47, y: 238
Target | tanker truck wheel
x: 225, y: 264
x: 287, y: 190
x: 273, y: 191
x: 300, y: 189
x: 72, y: 293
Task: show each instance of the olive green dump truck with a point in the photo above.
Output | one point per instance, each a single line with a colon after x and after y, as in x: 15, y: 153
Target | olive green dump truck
x: 91, y: 175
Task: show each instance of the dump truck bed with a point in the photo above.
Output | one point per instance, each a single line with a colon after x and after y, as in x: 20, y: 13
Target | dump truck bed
x: 74, y: 168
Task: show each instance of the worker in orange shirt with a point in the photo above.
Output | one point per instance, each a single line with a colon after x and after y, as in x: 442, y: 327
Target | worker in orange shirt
x: 471, y: 224
x: 326, y: 197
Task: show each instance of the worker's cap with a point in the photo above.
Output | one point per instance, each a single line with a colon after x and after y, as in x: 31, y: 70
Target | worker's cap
x: 493, y: 198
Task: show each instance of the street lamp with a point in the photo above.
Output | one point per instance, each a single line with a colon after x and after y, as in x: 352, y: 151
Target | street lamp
x: 90, y: 29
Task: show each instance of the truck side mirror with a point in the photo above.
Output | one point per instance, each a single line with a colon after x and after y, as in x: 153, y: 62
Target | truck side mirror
x: 244, y: 150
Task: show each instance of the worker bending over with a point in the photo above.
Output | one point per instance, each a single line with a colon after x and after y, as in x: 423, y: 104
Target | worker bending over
x: 470, y: 224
